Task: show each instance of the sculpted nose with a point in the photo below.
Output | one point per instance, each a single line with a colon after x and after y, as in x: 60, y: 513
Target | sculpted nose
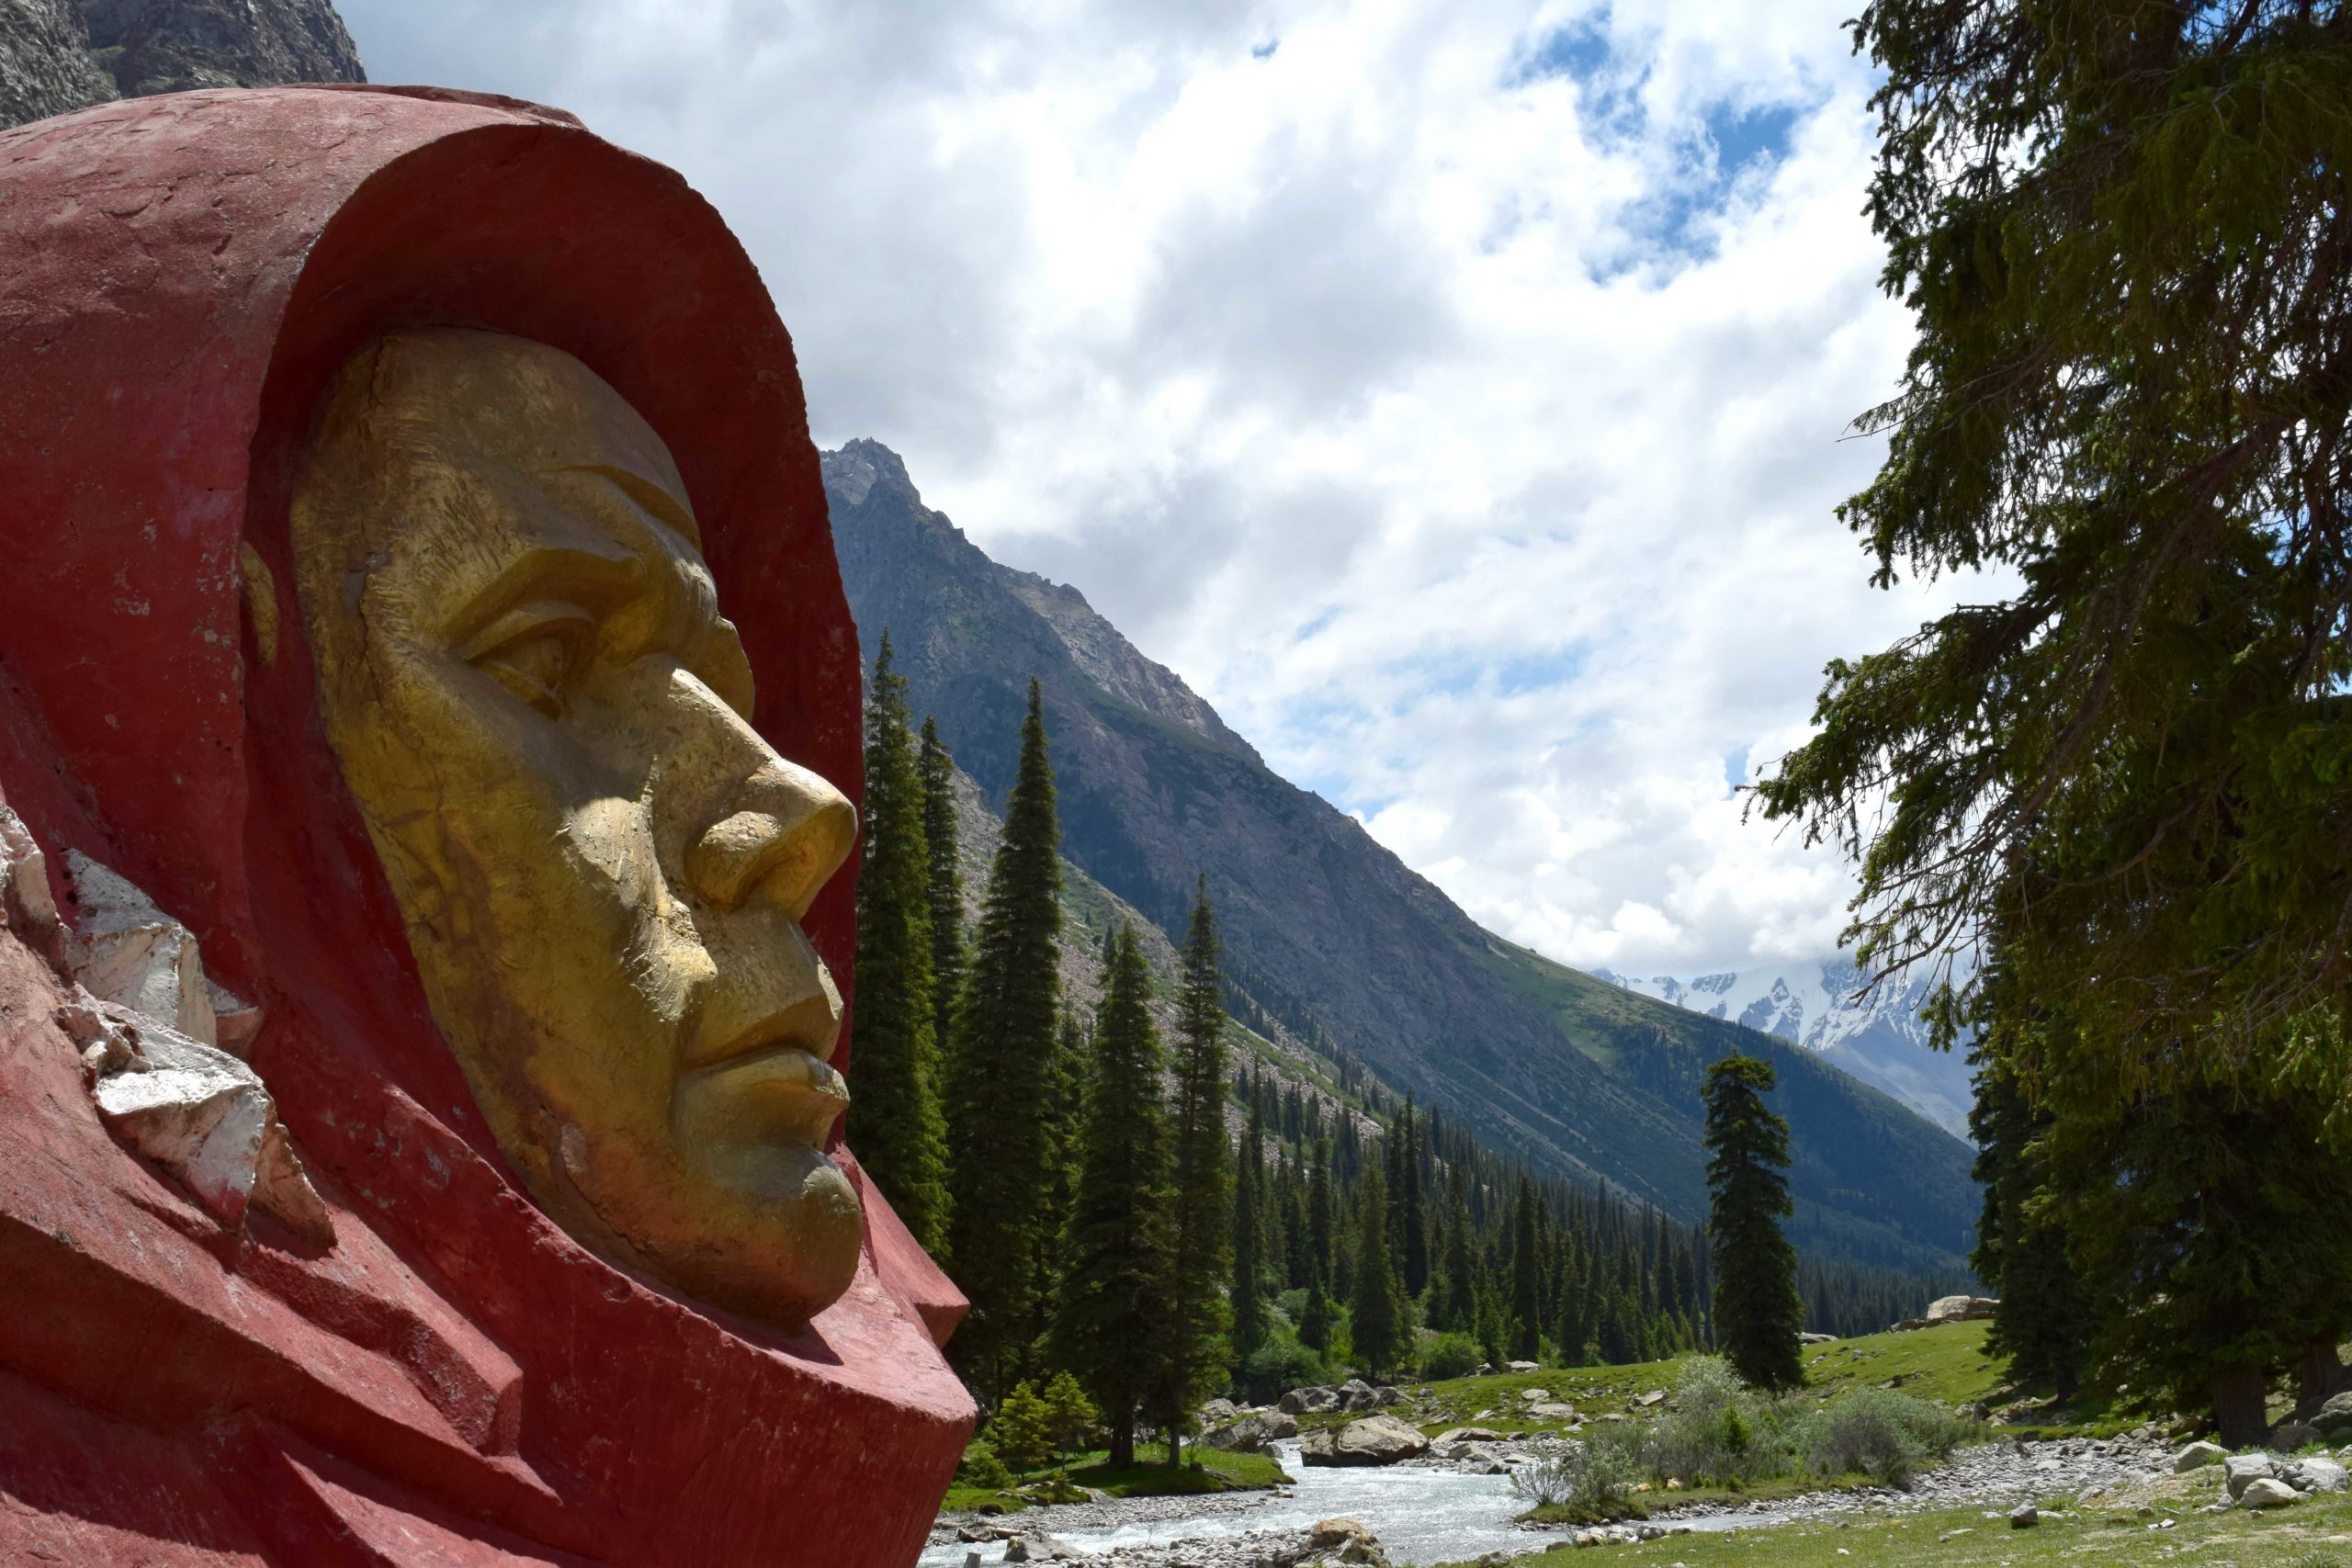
x: 790, y: 833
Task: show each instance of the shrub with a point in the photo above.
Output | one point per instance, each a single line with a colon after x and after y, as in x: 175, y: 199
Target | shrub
x: 1589, y: 1481
x: 1279, y: 1363
x: 1719, y: 1429
x: 1451, y: 1356
x: 1882, y: 1434
x: 981, y: 1467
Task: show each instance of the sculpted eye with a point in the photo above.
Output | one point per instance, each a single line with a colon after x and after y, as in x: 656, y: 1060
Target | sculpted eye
x: 535, y: 650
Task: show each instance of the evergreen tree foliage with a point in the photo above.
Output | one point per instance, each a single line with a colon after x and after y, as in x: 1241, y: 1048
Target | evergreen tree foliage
x: 2204, y: 1226
x: 1315, y: 1317
x: 2043, y: 1323
x: 945, y: 882
x: 1321, y: 1218
x: 1757, y: 1312
x: 1382, y: 1329
x: 1526, y: 1276
x: 894, y: 1120
x: 1248, y: 1255
x: 1200, y: 1256
x: 1111, y: 1327
x: 2119, y: 228
x: 1023, y: 1432
x: 1412, y: 1238
x: 1000, y: 1151
x: 1070, y: 1416
x: 1453, y: 1302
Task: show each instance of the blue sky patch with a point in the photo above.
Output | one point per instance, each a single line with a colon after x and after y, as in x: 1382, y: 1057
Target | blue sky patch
x: 1578, y: 50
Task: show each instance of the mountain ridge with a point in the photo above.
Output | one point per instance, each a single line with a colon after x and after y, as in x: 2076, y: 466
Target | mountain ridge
x: 1327, y: 931
x: 1874, y: 1033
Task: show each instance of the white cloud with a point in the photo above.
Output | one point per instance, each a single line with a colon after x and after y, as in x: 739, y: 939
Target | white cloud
x: 1454, y: 393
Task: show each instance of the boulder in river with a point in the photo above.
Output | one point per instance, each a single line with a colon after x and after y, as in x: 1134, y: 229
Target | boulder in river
x: 1252, y: 1431
x: 1375, y: 1439
x: 1345, y: 1540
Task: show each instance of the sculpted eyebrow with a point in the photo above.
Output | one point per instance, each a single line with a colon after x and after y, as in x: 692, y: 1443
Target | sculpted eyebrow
x: 665, y: 508
x: 593, y: 576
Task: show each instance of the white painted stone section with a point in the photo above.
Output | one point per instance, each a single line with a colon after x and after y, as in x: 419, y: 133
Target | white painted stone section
x: 197, y: 1111
x: 128, y: 951
x: 24, y: 877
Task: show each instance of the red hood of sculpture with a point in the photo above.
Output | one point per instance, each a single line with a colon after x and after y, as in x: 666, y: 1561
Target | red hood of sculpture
x: 183, y: 275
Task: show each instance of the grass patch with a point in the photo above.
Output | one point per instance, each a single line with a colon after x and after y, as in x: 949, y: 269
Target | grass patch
x: 1653, y: 1503
x: 1203, y: 1470
x: 2312, y: 1534
x: 1149, y: 1476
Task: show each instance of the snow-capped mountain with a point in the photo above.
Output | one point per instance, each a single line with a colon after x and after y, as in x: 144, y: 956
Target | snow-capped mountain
x: 1879, y: 1038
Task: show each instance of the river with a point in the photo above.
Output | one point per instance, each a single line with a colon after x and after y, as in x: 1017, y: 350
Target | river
x: 1421, y: 1515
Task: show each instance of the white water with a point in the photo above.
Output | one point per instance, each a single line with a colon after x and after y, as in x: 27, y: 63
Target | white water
x: 1420, y: 1516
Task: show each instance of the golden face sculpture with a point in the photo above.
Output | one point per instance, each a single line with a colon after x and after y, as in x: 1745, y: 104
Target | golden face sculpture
x: 600, y: 865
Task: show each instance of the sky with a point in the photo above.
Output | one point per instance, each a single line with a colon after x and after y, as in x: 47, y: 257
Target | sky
x: 1454, y: 392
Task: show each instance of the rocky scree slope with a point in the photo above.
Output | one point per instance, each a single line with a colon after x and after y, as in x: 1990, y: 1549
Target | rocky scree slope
x: 61, y: 55
x: 1329, y: 933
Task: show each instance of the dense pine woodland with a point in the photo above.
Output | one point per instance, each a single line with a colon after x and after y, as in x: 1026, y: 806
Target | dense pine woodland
x: 1166, y: 1217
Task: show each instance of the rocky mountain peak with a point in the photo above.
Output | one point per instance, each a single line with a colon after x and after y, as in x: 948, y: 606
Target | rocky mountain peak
x: 60, y: 55
x: 852, y: 472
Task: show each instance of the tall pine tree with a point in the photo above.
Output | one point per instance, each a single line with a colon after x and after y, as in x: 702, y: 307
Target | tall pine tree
x: 1249, y: 1246
x: 1000, y: 1154
x: 1526, y: 1275
x: 1379, y: 1322
x: 894, y: 1116
x: 1113, y: 1324
x: 2043, y: 1323
x: 1757, y: 1311
x: 945, y: 882
x: 1195, y: 1297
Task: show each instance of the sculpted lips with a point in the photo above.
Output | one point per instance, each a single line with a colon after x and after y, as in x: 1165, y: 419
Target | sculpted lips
x: 774, y: 1070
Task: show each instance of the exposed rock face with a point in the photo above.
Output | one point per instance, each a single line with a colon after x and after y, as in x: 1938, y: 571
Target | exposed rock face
x: 170, y: 46
x: 45, y: 64
x: 1327, y: 933
x: 56, y: 55
x: 1375, y: 1439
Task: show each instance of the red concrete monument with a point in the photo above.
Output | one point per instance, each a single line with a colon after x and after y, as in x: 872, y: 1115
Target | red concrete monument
x: 428, y: 723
